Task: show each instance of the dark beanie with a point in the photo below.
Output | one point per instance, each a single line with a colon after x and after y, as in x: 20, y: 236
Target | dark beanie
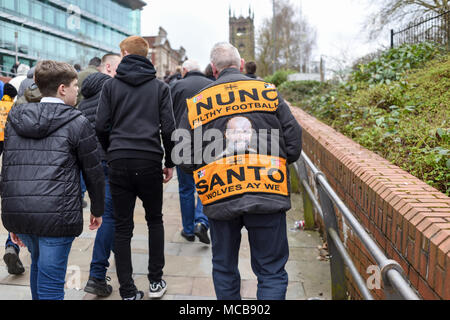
x: 10, y: 90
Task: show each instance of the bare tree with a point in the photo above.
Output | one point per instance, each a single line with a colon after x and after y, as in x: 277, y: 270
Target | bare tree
x: 295, y: 40
x: 388, y: 12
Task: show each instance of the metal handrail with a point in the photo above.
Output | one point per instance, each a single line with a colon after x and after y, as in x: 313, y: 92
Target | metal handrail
x: 396, y: 286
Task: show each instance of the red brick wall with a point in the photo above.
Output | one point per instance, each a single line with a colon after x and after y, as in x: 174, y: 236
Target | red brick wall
x: 409, y: 219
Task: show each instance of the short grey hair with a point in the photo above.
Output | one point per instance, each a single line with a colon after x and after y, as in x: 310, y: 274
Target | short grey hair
x: 225, y: 55
x: 191, y: 65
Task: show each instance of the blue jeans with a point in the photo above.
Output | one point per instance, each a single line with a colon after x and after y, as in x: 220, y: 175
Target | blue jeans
x: 190, y: 214
x: 49, y: 257
x: 269, y: 252
x: 104, y: 241
x: 9, y: 243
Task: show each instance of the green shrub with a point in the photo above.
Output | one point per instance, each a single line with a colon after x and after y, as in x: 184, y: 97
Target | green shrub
x: 392, y: 64
x: 279, y: 77
x: 406, y: 120
x: 299, y: 90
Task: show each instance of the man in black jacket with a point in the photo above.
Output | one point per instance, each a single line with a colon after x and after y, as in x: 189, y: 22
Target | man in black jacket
x: 46, y: 146
x: 194, y: 220
x: 104, y: 240
x: 248, y: 183
x: 134, y: 111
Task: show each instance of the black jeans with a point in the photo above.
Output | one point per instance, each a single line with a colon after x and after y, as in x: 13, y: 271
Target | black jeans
x: 131, y: 178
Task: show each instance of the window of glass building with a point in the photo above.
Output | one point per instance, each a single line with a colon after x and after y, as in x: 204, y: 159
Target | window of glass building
x: 24, y: 41
x: 24, y: 7
x: 37, y: 10
x: 8, y: 62
x: 9, y: 4
x: 60, y: 19
x: 50, y: 44
x: 49, y: 15
x: 8, y: 35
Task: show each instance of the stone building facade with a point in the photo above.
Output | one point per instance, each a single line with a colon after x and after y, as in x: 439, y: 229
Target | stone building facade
x: 162, y: 55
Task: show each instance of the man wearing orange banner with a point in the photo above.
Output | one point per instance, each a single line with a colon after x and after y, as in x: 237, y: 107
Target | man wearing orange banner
x: 247, y: 183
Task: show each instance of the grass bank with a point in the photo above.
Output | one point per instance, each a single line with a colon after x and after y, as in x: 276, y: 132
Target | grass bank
x: 397, y: 106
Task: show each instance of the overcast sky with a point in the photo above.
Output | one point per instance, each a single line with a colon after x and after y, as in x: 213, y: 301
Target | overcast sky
x: 197, y: 25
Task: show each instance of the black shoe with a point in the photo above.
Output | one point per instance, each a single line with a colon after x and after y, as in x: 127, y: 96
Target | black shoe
x: 98, y: 287
x: 202, y: 233
x: 139, y: 295
x: 187, y: 237
x: 157, y: 289
x: 13, y: 262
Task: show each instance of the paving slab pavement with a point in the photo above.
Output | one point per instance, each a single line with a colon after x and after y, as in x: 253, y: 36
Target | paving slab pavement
x: 188, y: 265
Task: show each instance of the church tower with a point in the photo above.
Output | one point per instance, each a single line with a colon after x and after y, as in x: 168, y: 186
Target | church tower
x: 242, y: 34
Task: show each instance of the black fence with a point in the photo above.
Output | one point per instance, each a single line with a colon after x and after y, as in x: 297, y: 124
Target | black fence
x: 427, y: 29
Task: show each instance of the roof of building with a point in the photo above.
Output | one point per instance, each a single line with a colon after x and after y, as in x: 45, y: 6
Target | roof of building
x: 133, y: 4
x: 150, y: 40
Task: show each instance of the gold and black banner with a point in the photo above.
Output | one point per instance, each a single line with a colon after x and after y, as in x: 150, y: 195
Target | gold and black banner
x: 247, y: 173
x: 231, y: 99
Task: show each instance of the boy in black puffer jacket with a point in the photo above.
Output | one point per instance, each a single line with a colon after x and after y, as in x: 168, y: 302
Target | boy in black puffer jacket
x: 46, y: 146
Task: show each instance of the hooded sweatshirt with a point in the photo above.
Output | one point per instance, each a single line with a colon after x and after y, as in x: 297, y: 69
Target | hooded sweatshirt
x: 134, y: 112
x: 46, y: 146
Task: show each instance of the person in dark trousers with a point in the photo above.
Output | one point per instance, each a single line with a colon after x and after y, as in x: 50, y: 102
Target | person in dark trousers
x: 27, y: 83
x: 166, y: 76
x: 176, y: 76
x: 209, y: 73
x: 14, y: 68
x: 12, y: 250
x: 93, y: 67
x: 104, y: 240
x: 244, y: 188
x: 250, y: 70
x: 47, y: 145
x: 195, y: 223
x: 134, y: 112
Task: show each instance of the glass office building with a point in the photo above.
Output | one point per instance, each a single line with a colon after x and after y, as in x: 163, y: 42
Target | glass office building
x: 73, y: 31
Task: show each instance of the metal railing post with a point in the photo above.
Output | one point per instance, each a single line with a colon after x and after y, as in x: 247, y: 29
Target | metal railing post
x: 447, y: 23
x: 392, y: 38
x: 338, y: 280
x: 308, y: 207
